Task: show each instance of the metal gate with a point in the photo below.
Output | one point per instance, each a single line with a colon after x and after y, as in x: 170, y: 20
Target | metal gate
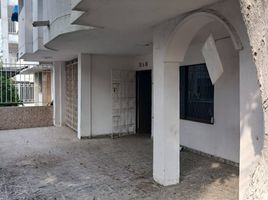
x: 71, y: 94
x: 124, y: 101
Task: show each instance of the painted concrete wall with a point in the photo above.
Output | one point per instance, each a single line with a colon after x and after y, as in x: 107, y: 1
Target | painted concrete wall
x: 26, y: 29
x: 221, y: 139
x: 84, y: 96
x: 59, y: 92
x: 30, y: 117
x: 255, y: 15
x: 59, y: 15
x: 37, y: 12
x: 101, y: 87
x: 101, y: 90
x: 251, y: 115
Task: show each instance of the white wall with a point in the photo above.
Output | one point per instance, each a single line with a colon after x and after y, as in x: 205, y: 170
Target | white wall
x: 26, y: 29
x: 37, y: 11
x: 251, y: 114
x: 222, y: 138
x: 84, y: 96
x: 4, y: 31
x: 101, y: 87
x: 59, y: 15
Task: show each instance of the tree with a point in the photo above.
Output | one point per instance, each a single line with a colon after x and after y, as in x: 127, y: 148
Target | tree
x: 8, y: 91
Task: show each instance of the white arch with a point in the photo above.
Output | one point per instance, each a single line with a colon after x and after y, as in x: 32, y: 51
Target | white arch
x: 185, y: 31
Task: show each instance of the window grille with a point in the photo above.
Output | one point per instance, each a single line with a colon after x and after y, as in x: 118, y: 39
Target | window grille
x: 124, y: 101
x: 12, y: 27
x: 71, y: 94
x: 196, y: 94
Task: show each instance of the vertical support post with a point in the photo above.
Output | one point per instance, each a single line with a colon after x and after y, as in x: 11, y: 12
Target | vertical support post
x: 84, y: 96
x: 251, y: 121
x: 166, y: 164
x: 59, y: 93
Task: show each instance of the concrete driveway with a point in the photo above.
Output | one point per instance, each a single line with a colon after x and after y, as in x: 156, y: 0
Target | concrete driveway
x: 51, y: 163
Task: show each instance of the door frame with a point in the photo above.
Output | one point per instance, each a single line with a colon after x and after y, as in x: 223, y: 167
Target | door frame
x: 137, y: 97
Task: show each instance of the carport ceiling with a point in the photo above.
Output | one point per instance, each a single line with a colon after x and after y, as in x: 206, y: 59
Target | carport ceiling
x: 122, y: 26
x: 132, y: 14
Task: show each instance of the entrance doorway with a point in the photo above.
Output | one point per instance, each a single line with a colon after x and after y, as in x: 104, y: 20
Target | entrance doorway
x: 144, y: 102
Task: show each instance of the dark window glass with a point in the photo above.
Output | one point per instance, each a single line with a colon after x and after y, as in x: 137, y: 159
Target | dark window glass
x: 196, y: 94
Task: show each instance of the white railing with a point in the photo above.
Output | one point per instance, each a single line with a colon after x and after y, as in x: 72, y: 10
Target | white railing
x: 12, y: 27
x: 24, y: 85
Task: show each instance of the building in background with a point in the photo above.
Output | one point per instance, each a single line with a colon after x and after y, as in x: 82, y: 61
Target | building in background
x: 9, y: 32
x: 25, y: 73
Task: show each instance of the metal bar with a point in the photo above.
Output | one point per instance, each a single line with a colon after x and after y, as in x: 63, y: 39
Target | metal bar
x: 6, y: 85
x: 17, y: 84
x: 16, y: 99
x: 21, y: 90
x: 1, y: 91
x: 10, y: 86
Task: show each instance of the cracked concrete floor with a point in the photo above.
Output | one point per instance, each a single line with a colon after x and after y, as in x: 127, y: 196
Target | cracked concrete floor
x: 51, y: 163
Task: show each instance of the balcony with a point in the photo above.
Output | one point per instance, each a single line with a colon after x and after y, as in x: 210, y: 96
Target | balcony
x: 12, y: 27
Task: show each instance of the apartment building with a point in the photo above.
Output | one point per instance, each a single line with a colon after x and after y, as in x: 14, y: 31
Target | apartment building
x: 183, y: 72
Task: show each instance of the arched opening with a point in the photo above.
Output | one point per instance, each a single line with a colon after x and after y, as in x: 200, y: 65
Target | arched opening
x: 220, y: 137
x: 187, y: 29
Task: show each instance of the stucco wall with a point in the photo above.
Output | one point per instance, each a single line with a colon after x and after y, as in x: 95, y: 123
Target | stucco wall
x: 59, y: 15
x: 26, y: 29
x: 102, y: 84
x: 255, y: 15
x: 222, y: 139
x: 25, y: 117
x: 251, y: 115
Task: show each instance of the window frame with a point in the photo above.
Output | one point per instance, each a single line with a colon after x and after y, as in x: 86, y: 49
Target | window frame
x: 186, y: 99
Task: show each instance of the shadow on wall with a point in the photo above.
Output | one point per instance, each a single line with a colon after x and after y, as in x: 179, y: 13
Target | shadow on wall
x: 251, y: 144
x: 253, y: 124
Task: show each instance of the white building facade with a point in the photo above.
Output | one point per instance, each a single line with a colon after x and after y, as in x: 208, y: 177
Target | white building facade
x: 97, y: 49
x: 9, y: 32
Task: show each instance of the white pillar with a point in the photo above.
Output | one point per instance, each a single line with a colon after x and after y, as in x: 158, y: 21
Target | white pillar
x: 59, y: 93
x: 166, y: 158
x: 84, y: 96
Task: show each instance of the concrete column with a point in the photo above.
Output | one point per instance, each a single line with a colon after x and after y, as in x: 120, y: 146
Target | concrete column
x: 166, y: 164
x: 252, y: 132
x: 59, y: 93
x: 84, y: 96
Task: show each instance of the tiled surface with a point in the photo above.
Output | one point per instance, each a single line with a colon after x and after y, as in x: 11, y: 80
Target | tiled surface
x: 50, y: 163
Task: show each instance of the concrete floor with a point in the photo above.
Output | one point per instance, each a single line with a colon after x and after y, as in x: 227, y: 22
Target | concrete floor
x: 50, y: 163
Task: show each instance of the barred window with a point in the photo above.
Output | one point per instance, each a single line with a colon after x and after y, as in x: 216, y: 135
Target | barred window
x: 196, y: 94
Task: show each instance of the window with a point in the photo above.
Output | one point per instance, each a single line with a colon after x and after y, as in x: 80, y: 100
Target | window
x: 196, y: 94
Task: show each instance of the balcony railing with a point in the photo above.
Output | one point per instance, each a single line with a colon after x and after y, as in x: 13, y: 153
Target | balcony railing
x: 12, y: 27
